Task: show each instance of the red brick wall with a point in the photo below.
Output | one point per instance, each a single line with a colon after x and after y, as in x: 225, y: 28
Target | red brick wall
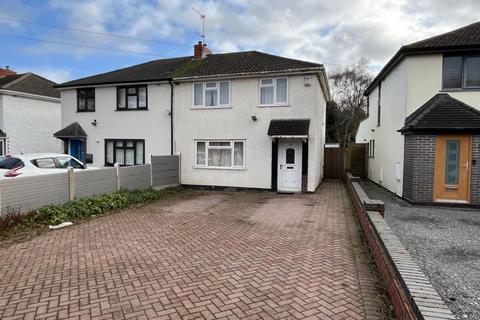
x: 398, y: 297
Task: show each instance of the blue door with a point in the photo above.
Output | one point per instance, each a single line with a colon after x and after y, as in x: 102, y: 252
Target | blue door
x: 76, y: 149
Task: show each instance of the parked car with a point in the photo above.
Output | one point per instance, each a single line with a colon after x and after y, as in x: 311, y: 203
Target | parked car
x: 38, y: 163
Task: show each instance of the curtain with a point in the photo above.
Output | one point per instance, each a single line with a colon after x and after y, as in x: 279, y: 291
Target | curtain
x: 142, y: 97
x: 139, y: 151
x: 211, y: 97
x: 238, y: 154
x: 281, y: 93
x: 224, y: 93
x: 201, y: 153
x: 266, y: 95
x: 129, y: 157
x: 109, y: 152
x: 198, y: 94
x: 220, y: 157
x: 121, y: 98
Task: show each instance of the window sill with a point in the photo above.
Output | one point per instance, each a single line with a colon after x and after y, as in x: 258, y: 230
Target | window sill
x: 273, y: 105
x: 220, y: 168
x: 85, y: 111
x: 460, y: 90
x: 209, y: 108
x: 141, y: 109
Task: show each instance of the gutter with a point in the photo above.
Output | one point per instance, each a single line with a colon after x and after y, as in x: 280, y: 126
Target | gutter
x: 29, y: 95
x: 171, y: 115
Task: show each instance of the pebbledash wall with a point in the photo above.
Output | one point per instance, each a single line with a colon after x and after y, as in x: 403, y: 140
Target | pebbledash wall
x: 235, y: 122
x: 419, y: 170
x: 29, y: 122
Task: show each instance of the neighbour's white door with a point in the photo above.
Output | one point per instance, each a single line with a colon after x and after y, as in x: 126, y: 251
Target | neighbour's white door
x: 290, y: 165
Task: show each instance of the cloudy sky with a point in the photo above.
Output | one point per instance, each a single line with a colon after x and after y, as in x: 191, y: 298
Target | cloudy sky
x: 50, y: 38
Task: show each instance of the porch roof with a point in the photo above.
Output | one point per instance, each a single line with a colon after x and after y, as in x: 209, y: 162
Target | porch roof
x: 293, y: 128
x: 73, y: 130
x: 443, y: 113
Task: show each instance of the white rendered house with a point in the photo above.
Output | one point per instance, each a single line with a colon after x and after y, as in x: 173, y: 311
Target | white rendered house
x: 29, y: 114
x: 245, y: 119
x: 423, y: 125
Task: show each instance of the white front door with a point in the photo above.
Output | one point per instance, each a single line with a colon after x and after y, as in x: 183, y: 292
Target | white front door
x: 290, y: 165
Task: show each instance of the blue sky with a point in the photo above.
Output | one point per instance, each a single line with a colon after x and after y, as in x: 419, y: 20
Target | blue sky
x: 334, y: 33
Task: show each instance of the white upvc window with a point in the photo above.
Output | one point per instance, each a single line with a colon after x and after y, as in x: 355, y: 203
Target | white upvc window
x: 224, y: 154
x: 273, y: 91
x: 211, y: 94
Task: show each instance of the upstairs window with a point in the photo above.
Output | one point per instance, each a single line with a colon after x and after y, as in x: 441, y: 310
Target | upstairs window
x: 273, y: 91
x: 132, y: 98
x: 86, y: 100
x: 211, y: 94
x: 461, y: 72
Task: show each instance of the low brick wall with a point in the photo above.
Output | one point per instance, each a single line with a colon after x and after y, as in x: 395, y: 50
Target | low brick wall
x: 409, y: 290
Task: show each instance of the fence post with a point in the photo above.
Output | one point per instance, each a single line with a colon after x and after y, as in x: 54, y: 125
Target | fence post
x: 71, y: 184
x: 151, y: 171
x: 117, y: 174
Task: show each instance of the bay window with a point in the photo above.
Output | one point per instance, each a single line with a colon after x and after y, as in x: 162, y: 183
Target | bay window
x: 124, y: 152
x: 132, y: 98
x: 220, y: 153
x: 211, y: 94
x: 273, y: 91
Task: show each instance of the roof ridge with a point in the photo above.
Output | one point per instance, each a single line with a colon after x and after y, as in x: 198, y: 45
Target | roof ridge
x: 19, y: 79
x: 443, y: 34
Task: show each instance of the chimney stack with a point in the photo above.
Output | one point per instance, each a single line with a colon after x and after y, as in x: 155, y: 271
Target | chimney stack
x: 200, y: 50
x: 6, y: 72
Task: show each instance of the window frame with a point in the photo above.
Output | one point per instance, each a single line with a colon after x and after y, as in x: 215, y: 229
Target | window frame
x: 232, y: 150
x: 204, y: 97
x: 371, y: 148
x: 86, y: 100
x: 463, y: 72
x: 138, y: 108
x: 274, y: 85
x: 124, y: 141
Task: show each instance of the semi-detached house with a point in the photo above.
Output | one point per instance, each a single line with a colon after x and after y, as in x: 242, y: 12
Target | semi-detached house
x: 244, y: 119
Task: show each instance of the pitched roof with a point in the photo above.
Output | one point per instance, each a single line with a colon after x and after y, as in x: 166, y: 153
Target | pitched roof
x: 188, y: 67
x: 465, y: 38
x: 73, y: 130
x: 29, y: 83
x: 443, y: 112
x: 289, y: 127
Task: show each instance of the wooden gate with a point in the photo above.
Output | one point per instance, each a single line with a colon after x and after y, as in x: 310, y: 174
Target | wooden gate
x: 333, y: 163
x: 356, y: 161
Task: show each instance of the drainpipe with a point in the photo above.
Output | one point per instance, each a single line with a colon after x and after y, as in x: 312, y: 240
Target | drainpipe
x: 171, y: 116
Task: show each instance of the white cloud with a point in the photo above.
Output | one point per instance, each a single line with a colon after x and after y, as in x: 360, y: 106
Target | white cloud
x: 331, y: 32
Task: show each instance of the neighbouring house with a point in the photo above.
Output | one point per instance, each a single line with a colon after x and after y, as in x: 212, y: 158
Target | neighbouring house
x: 244, y: 119
x: 423, y: 125
x: 30, y: 113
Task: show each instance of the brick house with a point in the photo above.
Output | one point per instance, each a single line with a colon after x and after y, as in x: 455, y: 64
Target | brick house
x: 423, y: 125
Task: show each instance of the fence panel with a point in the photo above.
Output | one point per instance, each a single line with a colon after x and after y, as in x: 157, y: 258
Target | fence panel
x: 23, y: 194
x: 165, y: 170
x: 135, y: 177
x: 95, y: 182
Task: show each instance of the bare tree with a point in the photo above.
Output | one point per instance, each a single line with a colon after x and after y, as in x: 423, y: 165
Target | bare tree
x: 349, y: 106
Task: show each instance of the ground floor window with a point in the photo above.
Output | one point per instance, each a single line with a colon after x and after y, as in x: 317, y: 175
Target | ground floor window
x: 220, y: 153
x: 126, y: 152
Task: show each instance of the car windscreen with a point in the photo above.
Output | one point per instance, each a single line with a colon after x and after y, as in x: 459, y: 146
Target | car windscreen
x: 10, y: 163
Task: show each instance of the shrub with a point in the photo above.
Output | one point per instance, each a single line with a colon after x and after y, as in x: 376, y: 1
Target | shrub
x: 87, y: 207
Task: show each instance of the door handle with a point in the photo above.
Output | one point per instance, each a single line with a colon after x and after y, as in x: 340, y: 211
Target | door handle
x: 466, y: 166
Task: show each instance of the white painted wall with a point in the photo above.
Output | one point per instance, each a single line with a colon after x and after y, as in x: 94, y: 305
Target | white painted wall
x: 425, y: 80
x: 412, y: 83
x: 389, y: 144
x: 153, y: 124
x: 29, y: 124
x: 236, y: 123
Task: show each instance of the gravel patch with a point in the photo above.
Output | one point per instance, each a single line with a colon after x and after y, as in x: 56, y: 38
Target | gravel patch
x: 444, y: 241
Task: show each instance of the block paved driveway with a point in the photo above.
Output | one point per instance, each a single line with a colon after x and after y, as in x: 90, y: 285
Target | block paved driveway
x: 211, y: 255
